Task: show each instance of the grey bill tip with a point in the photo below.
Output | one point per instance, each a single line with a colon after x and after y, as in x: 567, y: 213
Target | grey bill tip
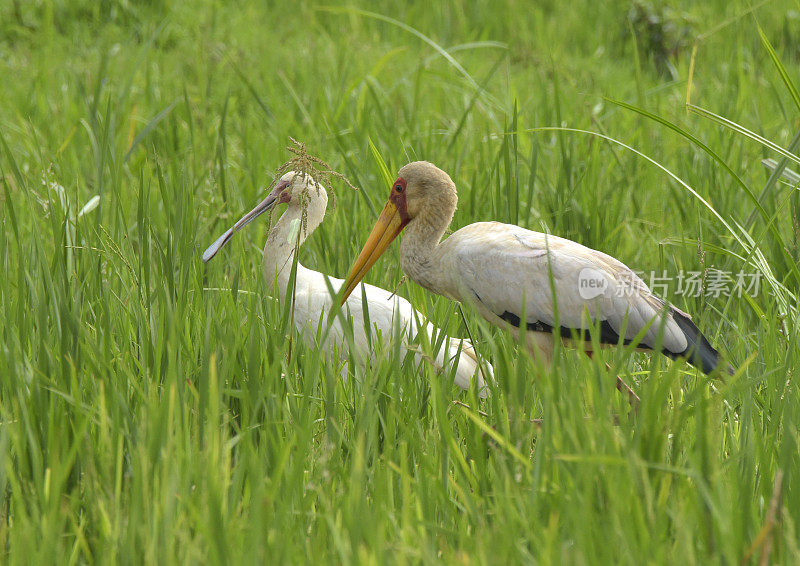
x: 212, y: 250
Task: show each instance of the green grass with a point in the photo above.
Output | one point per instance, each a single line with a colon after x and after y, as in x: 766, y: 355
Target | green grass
x: 149, y: 411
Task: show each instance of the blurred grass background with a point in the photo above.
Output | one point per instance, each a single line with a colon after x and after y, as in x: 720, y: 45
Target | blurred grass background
x: 149, y: 411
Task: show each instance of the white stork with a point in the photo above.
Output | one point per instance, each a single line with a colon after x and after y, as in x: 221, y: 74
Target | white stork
x: 506, y: 272
x: 313, y: 298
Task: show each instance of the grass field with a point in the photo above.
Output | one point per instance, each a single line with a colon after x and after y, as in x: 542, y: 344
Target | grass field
x: 149, y: 410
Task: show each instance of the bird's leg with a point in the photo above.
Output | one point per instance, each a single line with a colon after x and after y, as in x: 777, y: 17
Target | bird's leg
x: 622, y: 387
x: 633, y: 398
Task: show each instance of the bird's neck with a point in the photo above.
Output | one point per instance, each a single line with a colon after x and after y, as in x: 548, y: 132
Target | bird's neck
x: 421, y: 249
x: 287, y: 235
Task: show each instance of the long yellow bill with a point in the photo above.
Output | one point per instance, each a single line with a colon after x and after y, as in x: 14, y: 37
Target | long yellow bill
x: 386, y: 229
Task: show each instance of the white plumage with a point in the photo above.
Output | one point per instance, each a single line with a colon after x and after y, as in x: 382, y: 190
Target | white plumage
x: 484, y: 253
x: 390, y: 317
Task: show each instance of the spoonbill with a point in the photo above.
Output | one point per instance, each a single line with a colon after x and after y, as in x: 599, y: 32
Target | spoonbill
x: 506, y: 272
x: 307, y: 201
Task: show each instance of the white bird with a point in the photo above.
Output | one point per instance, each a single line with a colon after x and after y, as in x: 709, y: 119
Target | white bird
x: 506, y: 272
x: 313, y: 299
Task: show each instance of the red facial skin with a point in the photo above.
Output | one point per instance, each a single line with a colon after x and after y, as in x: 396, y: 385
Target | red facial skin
x: 398, y: 198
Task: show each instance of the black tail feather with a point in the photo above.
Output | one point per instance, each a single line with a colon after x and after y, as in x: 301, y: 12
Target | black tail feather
x: 699, y: 352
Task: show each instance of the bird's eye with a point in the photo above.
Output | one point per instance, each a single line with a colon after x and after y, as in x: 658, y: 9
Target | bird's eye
x: 398, y: 187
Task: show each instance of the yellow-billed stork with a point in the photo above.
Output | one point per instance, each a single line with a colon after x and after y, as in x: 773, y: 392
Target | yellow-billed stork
x: 506, y: 272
